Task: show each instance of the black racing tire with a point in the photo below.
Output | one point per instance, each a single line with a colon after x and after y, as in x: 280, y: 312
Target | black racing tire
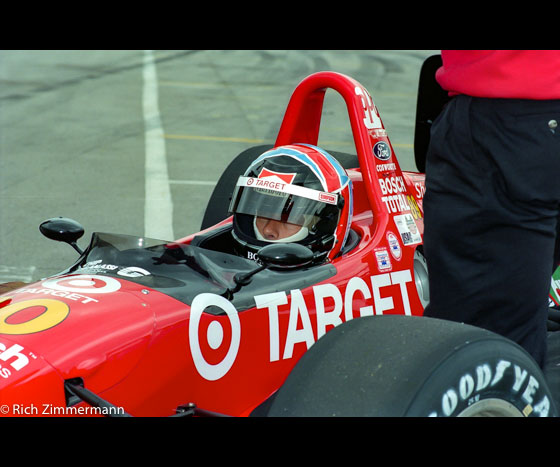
x: 398, y: 366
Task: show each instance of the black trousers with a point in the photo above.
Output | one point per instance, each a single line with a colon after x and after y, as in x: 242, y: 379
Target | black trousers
x: 492, y: 215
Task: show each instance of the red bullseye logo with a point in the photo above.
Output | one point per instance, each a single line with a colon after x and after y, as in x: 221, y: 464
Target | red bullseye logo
x: 86, y: 283
x: 214, y: 336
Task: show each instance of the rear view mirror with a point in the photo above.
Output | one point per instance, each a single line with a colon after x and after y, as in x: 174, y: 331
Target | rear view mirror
x: 64, y: 230
x: 285, y: 255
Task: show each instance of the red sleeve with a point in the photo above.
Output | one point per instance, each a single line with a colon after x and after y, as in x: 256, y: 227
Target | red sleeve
x: 523, y: 74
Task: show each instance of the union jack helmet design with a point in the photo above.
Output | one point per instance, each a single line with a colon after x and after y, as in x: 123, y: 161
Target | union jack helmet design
x: 299, y: 184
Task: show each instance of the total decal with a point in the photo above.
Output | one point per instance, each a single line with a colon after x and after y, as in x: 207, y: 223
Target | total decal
x: 395, y: 197
x: 298, y: 328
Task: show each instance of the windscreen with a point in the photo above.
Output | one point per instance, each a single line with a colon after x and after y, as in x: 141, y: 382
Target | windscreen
x: 183, y: 271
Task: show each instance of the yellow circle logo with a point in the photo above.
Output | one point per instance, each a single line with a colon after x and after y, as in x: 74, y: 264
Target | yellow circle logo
x: 414, y: 209
x: 54, y: 313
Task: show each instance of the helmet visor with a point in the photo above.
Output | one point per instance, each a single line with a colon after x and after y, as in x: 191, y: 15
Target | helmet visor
x: 292, y: 204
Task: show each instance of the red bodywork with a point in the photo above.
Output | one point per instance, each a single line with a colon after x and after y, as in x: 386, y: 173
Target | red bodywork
x: 149, y: 353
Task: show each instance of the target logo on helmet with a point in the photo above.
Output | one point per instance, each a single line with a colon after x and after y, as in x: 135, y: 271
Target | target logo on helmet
x: 284, y: 177
x: 85, y: 283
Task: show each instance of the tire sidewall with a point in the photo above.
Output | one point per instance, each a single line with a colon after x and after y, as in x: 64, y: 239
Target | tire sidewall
x: 491, y: 368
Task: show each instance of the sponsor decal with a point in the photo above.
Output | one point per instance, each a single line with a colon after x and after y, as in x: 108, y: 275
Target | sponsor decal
x: 282, y: 177
x: 383, y: 259
x: 390, y: 167
x: 408, y: 229
x: 214, y: 335
x: 327, y: 198
x: 371, y: 119
x: 271, y: 183
x: 37, y: 315
x: 76, y: 297
x: 96, y: 267
x: 382, y: 151
x: 84, y: 283
x: 279, y: 188
x: 393, y: 190
x: 392, y: 185
x: 394, y: 245
x: 331, y: 308
x: 32, y: 316
x: 420, y: 190
x: 13, y: 358
x: 396, y: 204
x: 133, y: 271
x: 414, y: 209
x: 508, y: 376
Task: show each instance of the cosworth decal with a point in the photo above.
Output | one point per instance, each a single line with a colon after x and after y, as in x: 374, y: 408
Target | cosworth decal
x: 390, y: 167
x: 299, y: 315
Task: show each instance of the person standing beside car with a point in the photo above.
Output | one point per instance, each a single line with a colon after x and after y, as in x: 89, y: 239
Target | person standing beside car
x: 492, y: 202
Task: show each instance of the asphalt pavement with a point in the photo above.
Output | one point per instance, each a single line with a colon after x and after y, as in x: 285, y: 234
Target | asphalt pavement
x: 134, y: 141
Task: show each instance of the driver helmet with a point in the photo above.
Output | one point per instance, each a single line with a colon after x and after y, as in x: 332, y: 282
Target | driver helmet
x: 299, y: 184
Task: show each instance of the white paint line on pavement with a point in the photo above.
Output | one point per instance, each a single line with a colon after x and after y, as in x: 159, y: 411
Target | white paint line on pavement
x: 158, y: 209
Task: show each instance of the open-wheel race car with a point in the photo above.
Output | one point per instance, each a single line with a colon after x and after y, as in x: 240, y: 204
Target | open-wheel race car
x: 146, y: 327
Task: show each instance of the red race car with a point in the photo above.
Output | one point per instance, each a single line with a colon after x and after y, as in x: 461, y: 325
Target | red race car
x: 145, y: 327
